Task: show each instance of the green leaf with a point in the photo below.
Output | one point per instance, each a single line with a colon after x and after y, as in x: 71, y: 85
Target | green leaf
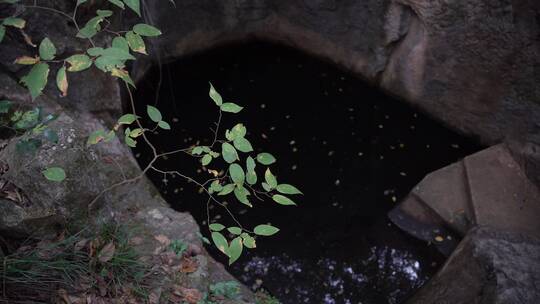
x: 215, y: 186
x: 5, y: 105
x: 95, y: 137
x: 95, y: 51
x: 153, y: 113
x: 235, y: 230
x: 126, y: 119
x: 136, y: 133
x: 216, y: 227
x: 216, y: 97
x: 79, y: 2
x: 270, y: 178
x: 36, y: 80
x: 28, y: 120
x: 135, y: 42
x: 206, y: 159
x: 265, y: 230
x: 146, y: 30
x: 54, y: 174
x: 229, y: 153
x: 61, y: 80
x: 231, y: 107
x: 283, y: 200
x: 117, y: 54
x: 79, y: 62
x: 235, y: 250
x: 29, y: 146
x: 130, y: 141
x: 241, y: 194
x: 242, y: 144
x: 220, y: 241
x: 122, y: 74
x: 47, y: 51
x: 266, y: 187
x: 110, y: 136
x: 249, y: 241
x: 134, y: 5
x: 197, y: 150
x: 251, y: 175
x: 266, y: 158
x: 90, y: 28
x: 239, y: 130
x: 104, y: 13
x: 164, y: 125
x: 120, y: 43
x: 237, y: 174
x: 250, y: 164
x: 38, y: 129
x: 2, y: 32
x: 50, y: 135
x: 118, y: 3
x: 14, y: 22
x: 227, y: 189
x: 288, y: 189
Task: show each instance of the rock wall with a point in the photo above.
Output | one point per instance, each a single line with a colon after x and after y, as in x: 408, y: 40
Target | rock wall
x: 474, y: 65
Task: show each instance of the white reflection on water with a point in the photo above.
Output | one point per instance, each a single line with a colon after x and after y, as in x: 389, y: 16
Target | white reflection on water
x: 387, y: 271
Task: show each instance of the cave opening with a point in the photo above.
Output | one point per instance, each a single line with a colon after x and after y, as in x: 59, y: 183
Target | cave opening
x: 353, y: 151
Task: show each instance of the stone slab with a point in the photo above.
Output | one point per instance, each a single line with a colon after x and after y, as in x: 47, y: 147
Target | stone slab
x: 446, y: 193
x: 501, y: 194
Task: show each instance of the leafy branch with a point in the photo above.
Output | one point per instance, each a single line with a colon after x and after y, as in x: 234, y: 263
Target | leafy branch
x: 245, y: 173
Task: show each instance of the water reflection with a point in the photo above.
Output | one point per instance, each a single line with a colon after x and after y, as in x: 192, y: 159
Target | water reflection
x: 336, y: 281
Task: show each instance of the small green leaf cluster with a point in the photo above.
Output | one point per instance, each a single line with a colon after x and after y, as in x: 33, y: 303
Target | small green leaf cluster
x: 102, y: 135
x: 240, y: 180
x: 178, y: 247
x: 229, y: 290
x: 111, y: 59
x: 32, y: 125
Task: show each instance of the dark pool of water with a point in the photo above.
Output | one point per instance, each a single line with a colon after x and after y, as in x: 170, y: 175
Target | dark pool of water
x: 353, y: 151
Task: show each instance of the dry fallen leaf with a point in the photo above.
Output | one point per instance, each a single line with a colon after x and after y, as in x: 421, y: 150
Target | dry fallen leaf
x: 188, y: 265
x: 190, y: 295
x: 163, y: 239
x: 106, y: 253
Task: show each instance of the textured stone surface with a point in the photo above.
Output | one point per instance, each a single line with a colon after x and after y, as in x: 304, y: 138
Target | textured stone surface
x: 46, y: 206
x: 473, y: 65
x: 486, y: 188
x: 488, y: 266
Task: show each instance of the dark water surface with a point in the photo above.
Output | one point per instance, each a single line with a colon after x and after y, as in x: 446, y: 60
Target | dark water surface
x: 352, y: 150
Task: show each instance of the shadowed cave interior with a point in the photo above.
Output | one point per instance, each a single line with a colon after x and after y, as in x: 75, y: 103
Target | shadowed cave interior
x: 353, y: 151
